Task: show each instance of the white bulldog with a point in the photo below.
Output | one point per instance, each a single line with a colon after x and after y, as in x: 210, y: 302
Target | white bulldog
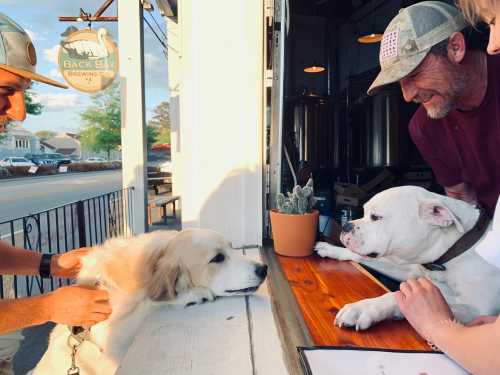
x: 404, y: 228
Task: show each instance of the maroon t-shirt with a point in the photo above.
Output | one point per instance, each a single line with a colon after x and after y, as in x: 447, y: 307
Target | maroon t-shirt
x: 465, y: 146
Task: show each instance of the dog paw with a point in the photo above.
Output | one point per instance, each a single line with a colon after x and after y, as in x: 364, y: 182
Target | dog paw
x: 326, y: 250
x: 197, y: 296
x: 359, y: 315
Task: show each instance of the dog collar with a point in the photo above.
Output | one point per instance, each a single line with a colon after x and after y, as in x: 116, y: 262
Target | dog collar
x: 463, y: 244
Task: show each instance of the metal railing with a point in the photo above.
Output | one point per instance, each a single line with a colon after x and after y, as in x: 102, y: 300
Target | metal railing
x: 57, y: 230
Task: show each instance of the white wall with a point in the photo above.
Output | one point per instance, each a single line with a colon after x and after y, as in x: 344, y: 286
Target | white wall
x: 220, y: 115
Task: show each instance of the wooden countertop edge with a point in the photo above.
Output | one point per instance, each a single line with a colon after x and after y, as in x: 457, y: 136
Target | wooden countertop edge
x: 292, y: 328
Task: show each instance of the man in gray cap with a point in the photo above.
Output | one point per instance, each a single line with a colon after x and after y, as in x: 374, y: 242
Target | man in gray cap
x: 457, y: 127
x: 72, y: 305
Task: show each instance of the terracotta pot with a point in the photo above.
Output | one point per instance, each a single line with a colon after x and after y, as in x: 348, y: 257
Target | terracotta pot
x: 294, y: 235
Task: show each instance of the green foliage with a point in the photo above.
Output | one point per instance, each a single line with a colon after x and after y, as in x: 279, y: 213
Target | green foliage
x: 299, y: 202
x: 45, y: 134
x: 32, y: 107
x: 102, y: 125
x: 161, y: 122
x: 102, y: 122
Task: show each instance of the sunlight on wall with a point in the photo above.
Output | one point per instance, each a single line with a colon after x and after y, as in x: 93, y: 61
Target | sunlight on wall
x: 221, y: 116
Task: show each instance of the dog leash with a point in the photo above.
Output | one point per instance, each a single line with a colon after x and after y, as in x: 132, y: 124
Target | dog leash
x: 76, y: 338
x: 463, y: 244
x: 78, y: 335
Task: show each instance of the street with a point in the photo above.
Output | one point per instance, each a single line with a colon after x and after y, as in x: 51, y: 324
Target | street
x: 56, y: 231
x: 21, y: 197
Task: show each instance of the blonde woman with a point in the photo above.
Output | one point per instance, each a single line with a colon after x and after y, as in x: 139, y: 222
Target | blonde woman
x: 475, y: 346
x: 487, y: 11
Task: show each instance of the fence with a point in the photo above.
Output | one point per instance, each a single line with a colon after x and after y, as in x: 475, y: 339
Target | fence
x: 57, y: 230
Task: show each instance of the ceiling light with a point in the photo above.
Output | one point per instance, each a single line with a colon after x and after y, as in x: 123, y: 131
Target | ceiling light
x: 314, y: 68
x: 370, y: 38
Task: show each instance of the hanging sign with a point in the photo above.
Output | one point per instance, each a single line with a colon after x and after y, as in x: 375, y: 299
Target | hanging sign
x: 88, y: 60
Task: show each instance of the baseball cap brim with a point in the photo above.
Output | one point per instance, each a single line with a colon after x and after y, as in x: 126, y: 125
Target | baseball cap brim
x: 397, y: 71
x: 33, y: 76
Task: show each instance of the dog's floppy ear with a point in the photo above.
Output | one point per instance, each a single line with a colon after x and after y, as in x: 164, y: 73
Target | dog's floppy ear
x: 164, y: 274
x: 437, y: 213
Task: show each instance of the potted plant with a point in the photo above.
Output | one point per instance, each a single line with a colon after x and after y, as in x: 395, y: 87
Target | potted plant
x: 294, y: 223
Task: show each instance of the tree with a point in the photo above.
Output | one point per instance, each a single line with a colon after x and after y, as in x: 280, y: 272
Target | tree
x: 161, y: 122
x: 102, y: 124
x: 32, y: 108
x: 101, y: 129
x: 45, y: 134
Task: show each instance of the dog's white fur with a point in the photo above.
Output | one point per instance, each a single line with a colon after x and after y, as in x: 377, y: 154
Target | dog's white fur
x: 179, y: 268
x: 406, y: 227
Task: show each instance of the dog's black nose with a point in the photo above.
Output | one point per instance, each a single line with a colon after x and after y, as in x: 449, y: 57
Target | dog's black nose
x: 261, y: 271
x: 347, y: 227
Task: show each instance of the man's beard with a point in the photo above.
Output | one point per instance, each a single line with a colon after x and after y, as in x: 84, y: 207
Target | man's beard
x: 437, y: 113
x: 450, y: 100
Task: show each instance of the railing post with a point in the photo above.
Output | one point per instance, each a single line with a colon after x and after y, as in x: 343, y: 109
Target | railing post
x: 80, y: 218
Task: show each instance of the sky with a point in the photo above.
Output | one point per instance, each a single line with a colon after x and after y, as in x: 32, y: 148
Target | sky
x: 62, y: 107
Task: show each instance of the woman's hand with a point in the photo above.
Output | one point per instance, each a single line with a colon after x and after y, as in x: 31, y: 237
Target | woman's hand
x: 423, y: 305
x: 68, y: 264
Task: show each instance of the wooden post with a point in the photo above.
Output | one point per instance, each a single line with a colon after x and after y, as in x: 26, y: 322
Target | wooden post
x: 131, y: 43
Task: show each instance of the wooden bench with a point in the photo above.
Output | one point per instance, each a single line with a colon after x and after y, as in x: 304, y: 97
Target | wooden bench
x: 160, y: 184
x: 163, y: 202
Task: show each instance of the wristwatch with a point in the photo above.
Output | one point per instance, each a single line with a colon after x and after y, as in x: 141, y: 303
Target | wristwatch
x: 44, y: 268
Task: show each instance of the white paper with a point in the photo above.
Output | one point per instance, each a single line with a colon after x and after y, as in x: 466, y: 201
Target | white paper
x: 368, y: 362
x: 33, y: 169
x: 63, y: 169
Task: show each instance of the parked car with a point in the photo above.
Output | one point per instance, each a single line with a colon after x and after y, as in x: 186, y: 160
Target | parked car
x: 41, y: 159
x: 96, y: 159
x: 159, y: 162
x: 59, y: 158
x: 165, y: 167
x: 48, y: 159
x: 15, y: 161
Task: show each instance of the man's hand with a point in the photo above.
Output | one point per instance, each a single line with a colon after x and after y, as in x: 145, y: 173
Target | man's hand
x: 423, y: 305
x: 68, y: 264
x: 78, y: 305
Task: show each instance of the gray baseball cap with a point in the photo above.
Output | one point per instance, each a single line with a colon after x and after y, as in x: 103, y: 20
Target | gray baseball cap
x: 411, y: 35
x: 17, y: 53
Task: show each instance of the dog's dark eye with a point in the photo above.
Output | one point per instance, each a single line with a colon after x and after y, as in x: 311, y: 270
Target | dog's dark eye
x: 375, y: 217
x: 219, y: 258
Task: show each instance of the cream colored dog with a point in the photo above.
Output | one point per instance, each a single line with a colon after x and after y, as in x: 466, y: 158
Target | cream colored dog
x: 403, y: 228
x: 179, y: 268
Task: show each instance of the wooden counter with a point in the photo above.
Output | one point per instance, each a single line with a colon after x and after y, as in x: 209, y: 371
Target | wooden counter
x: 308, y: 293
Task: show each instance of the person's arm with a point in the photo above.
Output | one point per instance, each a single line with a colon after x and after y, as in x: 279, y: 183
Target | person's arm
x: 16, y: 261
x: 75, y: 305
x: 463, y: 192
x: 474, y: 348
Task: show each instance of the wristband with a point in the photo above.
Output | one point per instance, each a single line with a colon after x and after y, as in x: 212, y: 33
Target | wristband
x: 447, y: 322
x: 45, y: 265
